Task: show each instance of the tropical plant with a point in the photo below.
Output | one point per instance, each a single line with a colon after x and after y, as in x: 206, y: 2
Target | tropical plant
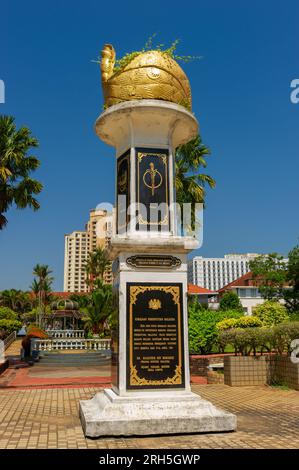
x: 81, y: 300
x: 95, y: 266
x: 230, y: 301
x: 16, y: 185
x: 98, y: 309
x: 271, y: 313
x: 189, y: 182
x: 42, y: 286
x: 17, y: 300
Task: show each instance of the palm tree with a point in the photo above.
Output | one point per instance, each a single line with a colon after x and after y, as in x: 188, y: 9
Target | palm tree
x: 99, y: 308
x: 42, y: 285
x: 189, y: 183
x: 16, y: 300
x: 16, y: 185
x: 96, y: 265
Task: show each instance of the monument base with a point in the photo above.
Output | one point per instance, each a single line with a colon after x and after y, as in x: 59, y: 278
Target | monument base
x: 108, y: 414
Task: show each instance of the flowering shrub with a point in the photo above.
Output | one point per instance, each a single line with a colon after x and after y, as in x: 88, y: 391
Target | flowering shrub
x: 242, y: 322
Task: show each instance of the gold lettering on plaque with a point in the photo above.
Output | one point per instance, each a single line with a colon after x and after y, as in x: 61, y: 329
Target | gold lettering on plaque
x: 159, y: 338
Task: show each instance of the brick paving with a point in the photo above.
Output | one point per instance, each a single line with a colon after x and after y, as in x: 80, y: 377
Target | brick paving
x: 48, y: 418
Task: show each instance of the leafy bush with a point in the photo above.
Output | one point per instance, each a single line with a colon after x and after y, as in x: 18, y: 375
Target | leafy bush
x: 230, y: 301
x: 203, y: 334
x: 7, y: 314
x: 283, y: 335
x: 271, y: 313
x: 8, y: 326
x: 242, y: 322
x: 252, y: 340
x: 248, y: 340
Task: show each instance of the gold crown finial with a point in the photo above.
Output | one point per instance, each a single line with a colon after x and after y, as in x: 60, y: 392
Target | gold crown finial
x: 149, y: 75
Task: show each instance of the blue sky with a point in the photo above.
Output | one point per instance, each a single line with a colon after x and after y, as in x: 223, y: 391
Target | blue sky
x: 241, y: 96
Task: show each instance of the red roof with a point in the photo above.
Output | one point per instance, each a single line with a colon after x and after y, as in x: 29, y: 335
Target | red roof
x: 193, y: 289
x: 243, y: 281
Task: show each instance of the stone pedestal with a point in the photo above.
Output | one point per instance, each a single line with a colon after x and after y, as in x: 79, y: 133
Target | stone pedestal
x: 150, y: 359
x: 108, y: 414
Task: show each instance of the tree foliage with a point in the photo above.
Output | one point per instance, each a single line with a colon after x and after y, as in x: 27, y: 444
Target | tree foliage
x: 230, y: 301
x: 270, y: 275
x: 16, y: 185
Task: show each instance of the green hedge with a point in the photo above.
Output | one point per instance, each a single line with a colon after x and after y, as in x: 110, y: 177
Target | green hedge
x: 252, y: 340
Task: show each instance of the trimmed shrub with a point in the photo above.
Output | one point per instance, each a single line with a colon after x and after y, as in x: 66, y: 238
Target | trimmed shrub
x: 271, y: 313
x: 252, y: 340
x: 283, y: 335
x: 248, y: 340
x: 242, y: 322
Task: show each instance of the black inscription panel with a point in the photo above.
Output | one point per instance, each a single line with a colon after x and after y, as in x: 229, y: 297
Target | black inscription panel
x: 157, y: 261
x: 152, y: 189
x: 123, y: 191
x: 155, y: 356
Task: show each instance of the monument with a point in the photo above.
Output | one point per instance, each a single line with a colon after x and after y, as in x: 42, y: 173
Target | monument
x: 147, y: 116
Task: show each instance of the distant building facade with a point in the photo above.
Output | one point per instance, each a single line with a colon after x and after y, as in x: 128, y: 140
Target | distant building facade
x: 214, y: 273
x: 77, y: 246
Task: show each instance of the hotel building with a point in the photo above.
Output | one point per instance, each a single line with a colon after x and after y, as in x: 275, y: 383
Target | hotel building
x: 77, y: 246
x: 214, y: 273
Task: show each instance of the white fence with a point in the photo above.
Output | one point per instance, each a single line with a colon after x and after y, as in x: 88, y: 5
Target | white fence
x: 74, y: 343
x: 65, y: 333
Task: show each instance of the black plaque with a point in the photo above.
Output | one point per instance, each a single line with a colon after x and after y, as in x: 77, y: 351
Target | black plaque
x: 152, y: 189
x: 157, y: 261
x: 155, y: 353
x: 123, y: 191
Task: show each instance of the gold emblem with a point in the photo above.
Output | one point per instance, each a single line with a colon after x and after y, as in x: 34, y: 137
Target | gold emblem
x: 155, y: 178
x: 154, y: 304
x: 122, y: 182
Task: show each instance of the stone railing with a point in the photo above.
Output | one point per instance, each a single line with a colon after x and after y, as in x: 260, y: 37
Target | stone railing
x: 55, y: 344
x: 9, y: 339
x: 65, y: 333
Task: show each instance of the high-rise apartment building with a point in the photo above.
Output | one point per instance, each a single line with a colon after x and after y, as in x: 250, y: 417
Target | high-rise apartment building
x: 79, y: 244
x: 214, y: 273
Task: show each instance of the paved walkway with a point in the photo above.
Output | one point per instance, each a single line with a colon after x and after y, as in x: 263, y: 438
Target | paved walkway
x: 267, y: 418
x: 15, y: 348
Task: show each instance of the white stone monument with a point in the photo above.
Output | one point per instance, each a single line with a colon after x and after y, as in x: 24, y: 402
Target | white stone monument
x: 150, y: 391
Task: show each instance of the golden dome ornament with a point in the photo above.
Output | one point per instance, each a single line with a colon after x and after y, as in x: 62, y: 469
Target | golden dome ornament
x: 148, y: 75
